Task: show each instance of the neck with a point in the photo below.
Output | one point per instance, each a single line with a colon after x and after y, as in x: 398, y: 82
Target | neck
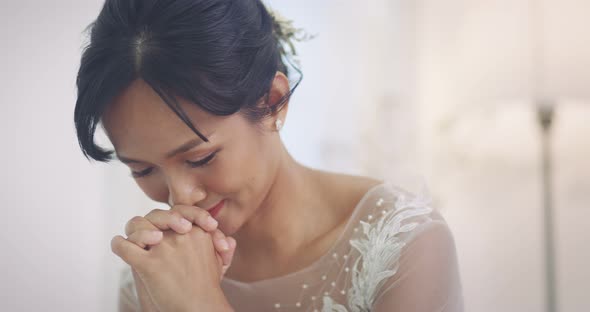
x: 282, y: 224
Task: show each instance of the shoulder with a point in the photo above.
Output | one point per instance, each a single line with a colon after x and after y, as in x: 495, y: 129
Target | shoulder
x: 388, y: 209
x: 389, y: 217
x: 344, y: 190
x: 401, y: 239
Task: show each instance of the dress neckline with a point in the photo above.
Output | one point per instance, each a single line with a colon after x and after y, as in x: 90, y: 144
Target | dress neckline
x: 322, y: 258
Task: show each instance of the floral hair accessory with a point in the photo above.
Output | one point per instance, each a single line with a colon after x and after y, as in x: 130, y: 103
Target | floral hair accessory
x: 286, y: 34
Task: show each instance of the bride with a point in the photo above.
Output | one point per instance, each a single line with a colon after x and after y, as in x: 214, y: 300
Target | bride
x: 192, y: 94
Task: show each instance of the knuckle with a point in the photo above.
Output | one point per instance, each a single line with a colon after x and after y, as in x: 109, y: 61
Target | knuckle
x: 202, y: 232
x: 199, y: 232
x: 154, y: 212
x: 132, y: 224
x: 175, y: 215
x: 135, y: 220
x: 134, y: 240
x: 116, y: 245
x: 218, y: 234
x: 180, y: 209
x: 181, y: 214
x: 183, y: 210
x: 202, y: 215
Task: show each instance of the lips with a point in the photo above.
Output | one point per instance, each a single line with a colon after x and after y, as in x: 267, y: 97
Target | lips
x: 215, y: 209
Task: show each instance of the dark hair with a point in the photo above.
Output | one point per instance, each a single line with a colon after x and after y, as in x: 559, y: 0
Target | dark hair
x: 219, y: 54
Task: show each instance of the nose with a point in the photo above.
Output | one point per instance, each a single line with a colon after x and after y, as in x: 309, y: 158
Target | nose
x: 184, y: 192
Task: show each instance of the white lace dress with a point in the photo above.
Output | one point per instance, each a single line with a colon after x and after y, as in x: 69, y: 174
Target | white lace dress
x: 396, y: 253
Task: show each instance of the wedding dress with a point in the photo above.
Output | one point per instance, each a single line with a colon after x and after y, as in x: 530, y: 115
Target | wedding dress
x: 396, y: 253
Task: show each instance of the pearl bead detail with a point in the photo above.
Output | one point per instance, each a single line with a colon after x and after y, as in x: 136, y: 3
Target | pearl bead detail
x: 333, y: 290
x: 380, y: 202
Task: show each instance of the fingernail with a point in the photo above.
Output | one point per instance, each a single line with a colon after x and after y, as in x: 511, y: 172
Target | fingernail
x: 156, y: 234
x: 185, y: 223
x: 223, y: 244
x: 211, y: 222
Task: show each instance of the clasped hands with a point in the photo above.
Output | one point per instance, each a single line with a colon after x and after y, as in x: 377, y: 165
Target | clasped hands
x: 177, y: 267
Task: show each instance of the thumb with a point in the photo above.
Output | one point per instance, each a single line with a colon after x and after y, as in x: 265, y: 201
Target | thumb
x: 228, y: 256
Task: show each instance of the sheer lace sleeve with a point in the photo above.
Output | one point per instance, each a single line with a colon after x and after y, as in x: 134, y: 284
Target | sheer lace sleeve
x: 427, y: 277
x: 404, y: 258
x: 127, y: 301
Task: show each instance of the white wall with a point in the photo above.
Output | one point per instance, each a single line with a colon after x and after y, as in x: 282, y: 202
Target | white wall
x: 51, y: 240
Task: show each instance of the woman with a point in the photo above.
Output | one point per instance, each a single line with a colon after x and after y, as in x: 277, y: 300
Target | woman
x: 192, y: 94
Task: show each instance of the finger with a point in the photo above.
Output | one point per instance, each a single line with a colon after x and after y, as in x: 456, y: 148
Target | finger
x: 138, y: 223
x: 169, y: 220
x: 232, y: 247
x: 145, y: 238
x: 224, y: 270
x: 229, y: 255
x: 220, y: 263
x: 128, y: 251
x: 198, y: 216
x: 219, y: 241
x: 223, y: 247
x: 232, y: 242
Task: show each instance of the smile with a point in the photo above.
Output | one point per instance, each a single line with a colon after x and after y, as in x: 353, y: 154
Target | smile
x: 215, y: 209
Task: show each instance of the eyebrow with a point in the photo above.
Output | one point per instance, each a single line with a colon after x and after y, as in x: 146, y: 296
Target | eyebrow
x: 179, y: 150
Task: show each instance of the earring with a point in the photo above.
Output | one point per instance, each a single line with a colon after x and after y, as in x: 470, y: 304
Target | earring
x: 279, y: 124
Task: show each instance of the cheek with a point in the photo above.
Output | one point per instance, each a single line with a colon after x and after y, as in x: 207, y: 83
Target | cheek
x: 250, y: 172
x: 234, y: 175
x: 154, y: 188
x: 241, y: 169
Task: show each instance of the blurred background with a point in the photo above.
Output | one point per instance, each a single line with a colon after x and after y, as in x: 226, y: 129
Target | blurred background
x: 441, y: 92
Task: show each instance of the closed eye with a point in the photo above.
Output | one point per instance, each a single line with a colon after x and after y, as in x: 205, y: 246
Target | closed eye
x: 194, y: 164
x: 142, y: 173
x: 202, y: 162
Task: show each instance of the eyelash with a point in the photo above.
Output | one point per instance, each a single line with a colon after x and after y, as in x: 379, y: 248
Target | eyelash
x: 193, y: 164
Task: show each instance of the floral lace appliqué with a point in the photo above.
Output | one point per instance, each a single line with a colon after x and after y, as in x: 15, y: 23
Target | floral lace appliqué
x: 380, y: 247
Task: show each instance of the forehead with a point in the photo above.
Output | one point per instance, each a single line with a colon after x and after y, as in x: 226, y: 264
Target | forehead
x: 139, y: 118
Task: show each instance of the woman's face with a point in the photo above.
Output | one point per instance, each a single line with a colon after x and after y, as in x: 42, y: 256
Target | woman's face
x: 171, y: 164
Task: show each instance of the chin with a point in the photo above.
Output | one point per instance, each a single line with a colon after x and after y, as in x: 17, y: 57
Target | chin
x: 227, y: 222
x: 227, y: 229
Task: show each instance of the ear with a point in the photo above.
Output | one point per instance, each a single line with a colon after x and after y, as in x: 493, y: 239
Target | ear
x: 279, y: 88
